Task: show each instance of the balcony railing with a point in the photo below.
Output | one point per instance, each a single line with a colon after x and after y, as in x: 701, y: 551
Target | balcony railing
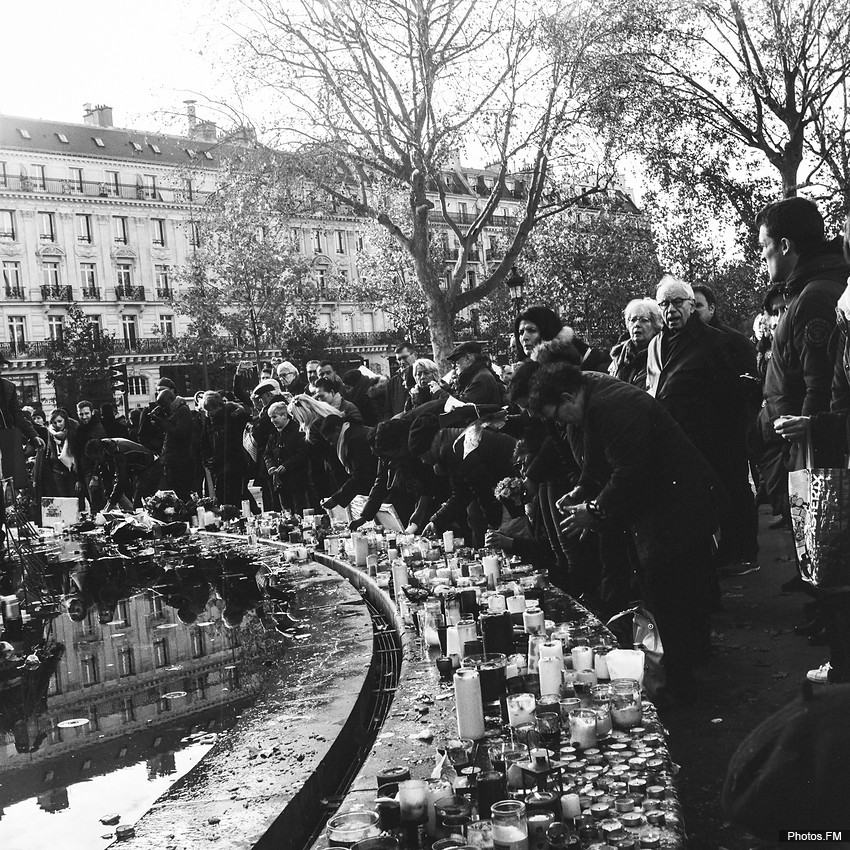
x: 365, y: 338
x: 91, y: 294
x: 130, y: 293
x: 164, y: 293
x: 56, y: 293
x: 41, y: 349
x: 15, y: 293
x: 98, y: 189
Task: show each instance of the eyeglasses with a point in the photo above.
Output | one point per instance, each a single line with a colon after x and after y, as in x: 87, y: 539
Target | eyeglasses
x: 673, y: 302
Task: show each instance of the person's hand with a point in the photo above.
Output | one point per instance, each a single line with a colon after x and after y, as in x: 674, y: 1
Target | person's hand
x: 434, y: 386
x: 577, y: 518
x: 413, y: 528
x: 39, y: 442
x: 575, y: 495
x: 497, y: 540
x: 327, y: 504
x: 792, y: 428
x: 356, y: 523
x: 276, y: 470
x: 430, y: 530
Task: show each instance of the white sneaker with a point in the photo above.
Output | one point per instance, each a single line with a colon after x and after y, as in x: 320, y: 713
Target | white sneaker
x: 821, y: 675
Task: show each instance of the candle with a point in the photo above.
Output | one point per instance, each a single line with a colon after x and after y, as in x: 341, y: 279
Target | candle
x: 437, y: 789
x: 582, y: 657
x: 448, y: 541
x: 209, y: 519
x: 491, y: 570
x: 583, y: 728
x: 246, y: 509
x: 424, y: 547
x: 413, y: 800
x: 202, y: 518
x: 516, y: 605
x: 552, y: 649
x: 496, y: 603
x: 497, y: 632
x: 466, y: 631
x: 468, y: 706
x: 361, y: 549
x: 452, y: 641
x: 570, y: 806
x: 550, y: 671
x: 600, y: 664
x: 521, y: 708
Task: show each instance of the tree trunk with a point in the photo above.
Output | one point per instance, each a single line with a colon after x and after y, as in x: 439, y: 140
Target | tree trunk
x: 441, y: 328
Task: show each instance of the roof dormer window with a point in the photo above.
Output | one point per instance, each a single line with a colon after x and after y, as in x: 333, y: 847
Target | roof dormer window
x: 136, y: 147
x: 154, y: 148
x: 190, y: 152
x: 99, y: 142
x: 208, y: 155
x: 62, y: 138
x: 25, y: 134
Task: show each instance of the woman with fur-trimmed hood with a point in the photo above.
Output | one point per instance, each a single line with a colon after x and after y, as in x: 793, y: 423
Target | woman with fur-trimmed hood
x: 539, y: 324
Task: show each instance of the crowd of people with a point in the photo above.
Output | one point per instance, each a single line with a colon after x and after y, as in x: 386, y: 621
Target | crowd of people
x: 633, y: 474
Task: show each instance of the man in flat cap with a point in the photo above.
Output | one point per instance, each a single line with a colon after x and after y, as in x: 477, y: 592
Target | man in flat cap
x: 476, y: 381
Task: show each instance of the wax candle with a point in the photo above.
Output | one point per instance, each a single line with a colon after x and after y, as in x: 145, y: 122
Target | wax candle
x: 516, y: 605
x: 582, y: 657
x: 600, y: 664
x: 583, y: 728
x: 468, y: 706
x: 551, y: 674
x: 437, y: 789
x: 452, y: 641
x: 497, y: 632
x: 246, y: 509
x: 552, y: 649
x: 413, y: 800
x: 521, y: 708
x: 496, y: 603
x: 570, y: 806
x: 202, y: 518
x: 491, y: 570
x: 361, y: 549
x: 466, y: 631
x: 448, y: 541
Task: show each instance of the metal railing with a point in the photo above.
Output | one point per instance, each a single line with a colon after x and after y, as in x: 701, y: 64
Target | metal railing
x: 15, y: 293
x: 43, y: 348
x: 364, y: 338
x: 56, y: 293
x: 100, y: 189
x: 91, y: 294
x: 130, y: 293
x: 164, y: 293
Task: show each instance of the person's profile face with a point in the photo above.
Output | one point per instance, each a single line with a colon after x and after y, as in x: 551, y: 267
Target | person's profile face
x: 529, y: 335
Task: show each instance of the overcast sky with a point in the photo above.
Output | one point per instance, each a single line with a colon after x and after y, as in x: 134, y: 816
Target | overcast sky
x: 142, y: 59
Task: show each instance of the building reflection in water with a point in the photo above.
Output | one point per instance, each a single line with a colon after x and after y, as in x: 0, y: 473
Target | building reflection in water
x: 123, y: 655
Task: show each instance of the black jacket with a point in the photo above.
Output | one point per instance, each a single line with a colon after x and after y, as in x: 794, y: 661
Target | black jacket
x: 123, y: 459
x: 10, y: 410
x: 398, y: 388
x: 479, y: 385
x: 474, y: 476
x: 287, y: 448
x: 698, y: 386
x: 360, y: 462
x: 643, y: 471
x: 800, y: 369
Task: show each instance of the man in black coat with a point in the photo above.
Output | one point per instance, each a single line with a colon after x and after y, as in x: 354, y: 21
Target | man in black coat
x: 476, y: 382
x: 400, y: 384
x: 129, y: 466
x: 222, y: 448
x: 739, y: 533
x: 640, y: 471
x: 178, y: 456
x: 90, y: 428
x: 286, y: 459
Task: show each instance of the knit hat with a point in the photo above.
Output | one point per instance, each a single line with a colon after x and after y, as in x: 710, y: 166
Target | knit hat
x: 791, y: 771
x: 422, y: 433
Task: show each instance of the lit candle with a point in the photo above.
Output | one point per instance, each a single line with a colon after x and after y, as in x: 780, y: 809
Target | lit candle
x: 496, y: 603
x: 551, y: 673
x: 413, y: 800
x: 437, y: 789
x: 468, y: 706
x: 521, y: 708
x: 552, y: 649
x: 452, y: 641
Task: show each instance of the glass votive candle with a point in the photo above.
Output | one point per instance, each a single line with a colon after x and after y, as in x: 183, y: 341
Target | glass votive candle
x: 479, y: 834
x: 459, y: 752
x: 548, y: 702
x: 549, y: 730
x: 525, y: 733
x: 413, y: 801
x: 437, y: 790
x: 510, y: 828
x: 348, y: 828
x: 451, y: 812
x: 582, y: 657
x: 521, y: 708
x: 538, y: 824
x: 583, y: 728
x: 513, y: 773
x: 568, y: 704
x: 626, y: 708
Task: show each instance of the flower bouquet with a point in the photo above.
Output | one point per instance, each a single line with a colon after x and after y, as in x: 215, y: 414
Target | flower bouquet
x: 511, y: 493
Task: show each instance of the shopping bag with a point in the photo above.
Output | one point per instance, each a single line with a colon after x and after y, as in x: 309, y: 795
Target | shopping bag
x: 646, y: 638
x: 820, y: 522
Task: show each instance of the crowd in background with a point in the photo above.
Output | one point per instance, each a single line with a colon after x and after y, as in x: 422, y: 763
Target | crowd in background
x: 613, y: 470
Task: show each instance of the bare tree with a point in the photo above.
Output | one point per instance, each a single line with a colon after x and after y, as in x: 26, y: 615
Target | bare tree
x: 389, y: 91
x: 759, y: 73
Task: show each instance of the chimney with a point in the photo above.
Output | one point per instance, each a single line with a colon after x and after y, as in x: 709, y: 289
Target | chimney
x: 190, y: 114
x: 97, y: 116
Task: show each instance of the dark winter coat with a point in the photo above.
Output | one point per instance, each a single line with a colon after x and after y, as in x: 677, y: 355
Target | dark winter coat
x: 287, y: 448
x: 477, y: 384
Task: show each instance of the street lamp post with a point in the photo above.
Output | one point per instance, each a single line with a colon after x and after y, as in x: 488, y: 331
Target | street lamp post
x: 516, y: 287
